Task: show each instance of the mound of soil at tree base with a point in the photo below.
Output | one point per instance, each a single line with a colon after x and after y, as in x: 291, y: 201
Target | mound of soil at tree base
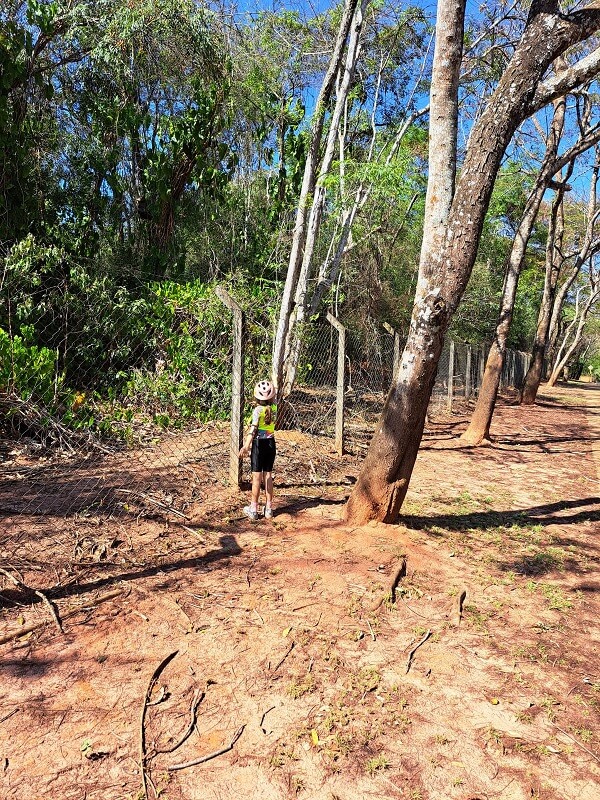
x: 298, y: 667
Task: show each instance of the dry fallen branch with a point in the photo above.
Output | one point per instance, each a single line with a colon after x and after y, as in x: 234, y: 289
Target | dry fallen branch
x: 48, y: 430
x: 390, y: 592
x: 20, y: 585
x: 150, y: 499
x: 30, y: 628
x: 196, y: 700
x: 415, y: 648
x: 285, y: 655
x: 151, y: 684
x: 208, y: 757
x: 577, y: 742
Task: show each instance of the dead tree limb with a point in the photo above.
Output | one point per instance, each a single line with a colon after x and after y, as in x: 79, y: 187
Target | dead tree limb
x: 151, y: 684
x: 208, y: 757
x: 51, y: 607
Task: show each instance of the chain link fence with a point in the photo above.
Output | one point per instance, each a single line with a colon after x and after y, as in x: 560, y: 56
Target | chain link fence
x: 125, y: 408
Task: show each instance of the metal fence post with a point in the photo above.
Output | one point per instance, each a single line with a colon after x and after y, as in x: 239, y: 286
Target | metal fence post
x: 237, y: 387
x: 339, y: 396
x: 450, y: 375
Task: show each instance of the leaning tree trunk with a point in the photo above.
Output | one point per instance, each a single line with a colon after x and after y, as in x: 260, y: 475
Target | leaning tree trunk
x: 444, y: 271
x: 478, y: 430
x: 298, y: 316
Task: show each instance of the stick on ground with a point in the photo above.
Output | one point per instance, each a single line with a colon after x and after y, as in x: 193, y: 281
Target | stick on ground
x: 151, y: 685
x: 8, y: 637
x: 196, y: 700
x: 415, y: 648
x: 208, y: 757
x: 20, y: 585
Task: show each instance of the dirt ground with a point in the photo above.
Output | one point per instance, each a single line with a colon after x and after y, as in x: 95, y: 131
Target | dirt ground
x: 279, y: 648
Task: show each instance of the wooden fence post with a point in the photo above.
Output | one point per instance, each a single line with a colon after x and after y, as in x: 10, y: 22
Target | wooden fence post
x: 237, y: 387
x: 450, y: 375
x: 482, y: 360
x: 341, y: 370
x: 396, y: 357
x: 468, y: 372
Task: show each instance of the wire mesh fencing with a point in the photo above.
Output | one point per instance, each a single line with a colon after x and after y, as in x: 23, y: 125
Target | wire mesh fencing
x: 138, y: 403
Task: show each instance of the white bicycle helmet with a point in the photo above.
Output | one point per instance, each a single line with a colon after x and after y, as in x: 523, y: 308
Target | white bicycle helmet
x: 264, y: 391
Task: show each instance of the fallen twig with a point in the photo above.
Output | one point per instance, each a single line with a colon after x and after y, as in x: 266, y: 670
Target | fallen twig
x: 33, y: 627
x: 208, y: 757
x: 150, y: 499
x: 193, y: 532
x: 390, y: 592
x: 14, y: 711
x: 415, y: 648
x: 285, y: 655
x: 152, y: 683
x: 262, y: 719
x: 573, y: 739
x: 19, y: 584
x: 196, y: 700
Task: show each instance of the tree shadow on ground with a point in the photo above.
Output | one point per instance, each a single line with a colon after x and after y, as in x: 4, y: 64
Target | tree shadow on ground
x: 228, y: 547
x: 482, y: 520
x: 511, y: 528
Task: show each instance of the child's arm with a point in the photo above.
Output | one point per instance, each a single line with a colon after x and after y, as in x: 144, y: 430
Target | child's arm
x: 245, y: 449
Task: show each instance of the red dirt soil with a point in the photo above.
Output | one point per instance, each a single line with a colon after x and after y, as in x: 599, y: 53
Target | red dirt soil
x: 478, y: 677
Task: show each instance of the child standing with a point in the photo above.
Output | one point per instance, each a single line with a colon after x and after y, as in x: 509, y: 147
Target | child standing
x: 261, y: 438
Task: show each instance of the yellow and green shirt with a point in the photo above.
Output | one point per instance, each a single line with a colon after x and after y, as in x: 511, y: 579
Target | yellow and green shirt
x: 264, y: 430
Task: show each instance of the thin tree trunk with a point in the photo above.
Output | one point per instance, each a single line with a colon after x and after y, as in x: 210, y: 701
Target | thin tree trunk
x: 292, y: 348
x: 552, y: 301
x: 478, y: 430
x: 565, y: 353
x: 307, y: 189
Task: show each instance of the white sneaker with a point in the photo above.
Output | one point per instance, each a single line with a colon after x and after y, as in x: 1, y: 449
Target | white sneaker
x: 268, y: 512
x: 253, y: 515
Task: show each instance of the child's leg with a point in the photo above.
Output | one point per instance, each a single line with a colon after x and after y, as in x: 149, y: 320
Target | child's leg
x: 269, y: 488
x: 256, y: 478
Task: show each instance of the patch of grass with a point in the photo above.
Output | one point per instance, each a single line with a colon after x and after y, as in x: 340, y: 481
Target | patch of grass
x: 585, y: 734
x: 475, y: 617
x: 282, y: 755
x: 313, y: 582
x: 299, y: 688
x: 548, y: 703
x: 537, y: 652
x: 367, y: 680
x: 557, y: 600
x: 376, y: 764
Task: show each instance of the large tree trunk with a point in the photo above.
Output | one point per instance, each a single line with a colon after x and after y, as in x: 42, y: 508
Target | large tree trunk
x: 445, y: 268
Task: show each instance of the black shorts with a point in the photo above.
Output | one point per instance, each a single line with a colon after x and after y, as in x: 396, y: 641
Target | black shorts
x: 262, y: 455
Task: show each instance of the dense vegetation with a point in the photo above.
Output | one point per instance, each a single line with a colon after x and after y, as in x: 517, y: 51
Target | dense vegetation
x: 151, y: 150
